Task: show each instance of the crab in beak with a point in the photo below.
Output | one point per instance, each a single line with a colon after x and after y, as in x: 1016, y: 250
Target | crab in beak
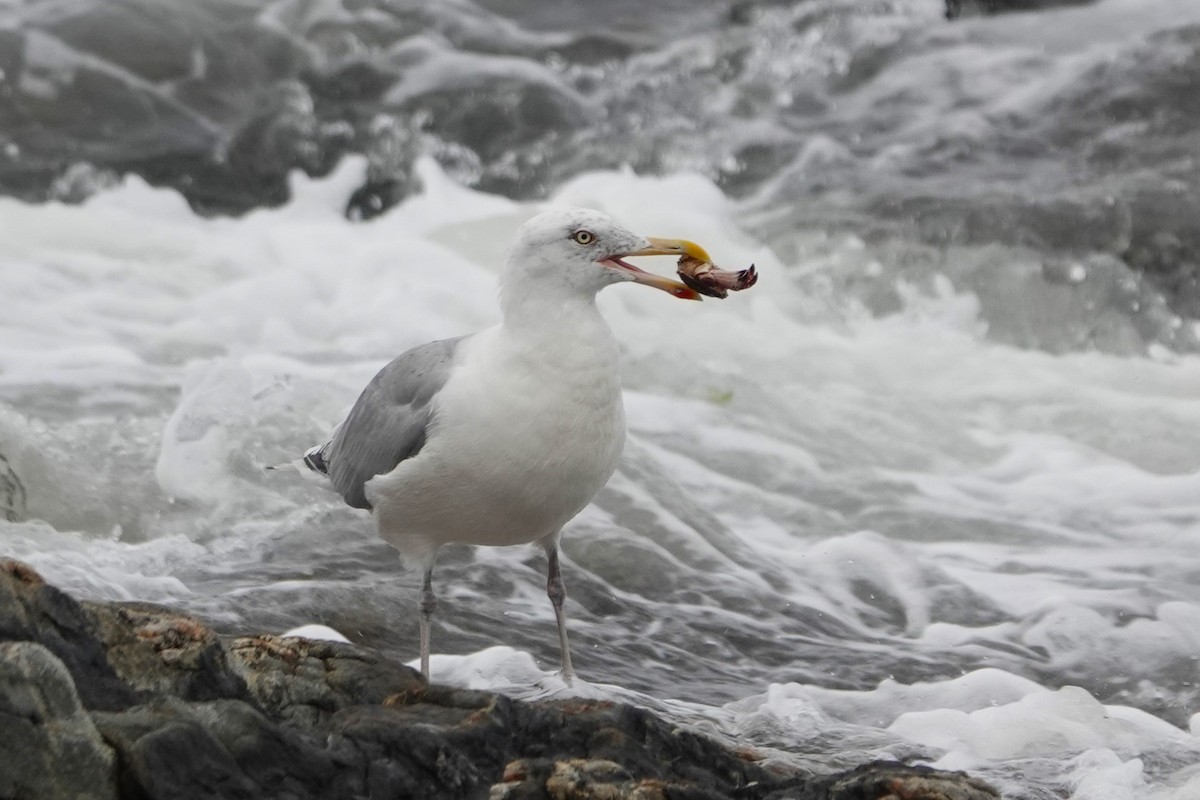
x: 659, y: 247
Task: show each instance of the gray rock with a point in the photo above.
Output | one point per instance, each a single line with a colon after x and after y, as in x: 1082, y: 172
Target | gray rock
x: 167, y: 755
x: 51, y: 747
x: 12, y: 492
x: 305, y: 681
x: 958, y: 8
x: 885, y: 779
x: 161, y: 651
x: 32, y: 611
x: 225, y: 749
x: 178, y: 713
x: 279, y: 760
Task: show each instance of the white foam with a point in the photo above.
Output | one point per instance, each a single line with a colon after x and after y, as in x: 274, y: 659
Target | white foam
x: 1043, y: 724
x: 808, y: 500
x: 316, y: 631
x: 104, y: 569
x: 514, y: 672
x: 985, y: 722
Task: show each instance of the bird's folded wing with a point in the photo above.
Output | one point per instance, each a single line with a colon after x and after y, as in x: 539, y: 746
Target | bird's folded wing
x: 388, y: 424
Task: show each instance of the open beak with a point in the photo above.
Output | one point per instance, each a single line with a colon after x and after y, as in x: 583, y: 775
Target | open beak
x: 660, y: 247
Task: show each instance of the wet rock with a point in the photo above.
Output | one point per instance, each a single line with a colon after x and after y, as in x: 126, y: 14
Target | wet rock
x: 278, y: 758
x: 376, y: 196
x: 51, y: 747
x: 156, y: 650
x: 166, y: 756
x: 32, y: 611
x: 510, y: 124
x: 203, y: 99
x: 153, y: 39
x: 421, y: 752
x: 1164, y: 242
x: 958, y: 8
x: 62, y: 106
x: 305, y: 681
x: 283, y: 134
x: 1052, y: 222
x: 580, y: 779
x: 459, y: 743
x: 12, y: 492
x: 885, y: 780
x: 178, y: 712
x: 221, y: 102
x: 223, y: 749
x: 393, y: 148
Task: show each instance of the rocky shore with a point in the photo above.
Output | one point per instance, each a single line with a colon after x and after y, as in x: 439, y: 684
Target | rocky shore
x: 128, y: 700
x: 957, y: 8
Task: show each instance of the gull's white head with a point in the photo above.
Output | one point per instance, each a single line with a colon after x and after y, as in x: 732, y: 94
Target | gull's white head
x: 577, y: 252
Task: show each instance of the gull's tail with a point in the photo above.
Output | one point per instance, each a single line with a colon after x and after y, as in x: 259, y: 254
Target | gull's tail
x: 313, y: 459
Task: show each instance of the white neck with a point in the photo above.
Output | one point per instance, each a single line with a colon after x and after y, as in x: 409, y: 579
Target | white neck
x: 548, y: 307
x: 560, y: 333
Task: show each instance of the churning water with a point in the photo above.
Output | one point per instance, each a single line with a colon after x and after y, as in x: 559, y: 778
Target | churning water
x: 931, y: 489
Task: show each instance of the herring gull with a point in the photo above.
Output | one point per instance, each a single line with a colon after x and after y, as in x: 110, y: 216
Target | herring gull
x: 501, y: 437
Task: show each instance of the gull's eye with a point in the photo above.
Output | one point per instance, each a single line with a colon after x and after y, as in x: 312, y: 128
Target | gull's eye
x: 583, y: 237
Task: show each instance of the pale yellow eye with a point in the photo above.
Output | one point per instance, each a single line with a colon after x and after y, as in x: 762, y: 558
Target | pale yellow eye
x: 583, y: 237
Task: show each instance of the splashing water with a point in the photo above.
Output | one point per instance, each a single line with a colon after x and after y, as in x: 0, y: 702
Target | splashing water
x: 927, y: 491
x: 890, y: 528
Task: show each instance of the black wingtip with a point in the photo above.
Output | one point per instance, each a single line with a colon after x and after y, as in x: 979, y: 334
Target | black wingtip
x: 315, y: 460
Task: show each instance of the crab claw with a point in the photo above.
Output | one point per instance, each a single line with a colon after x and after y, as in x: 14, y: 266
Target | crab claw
x: 706, y: 279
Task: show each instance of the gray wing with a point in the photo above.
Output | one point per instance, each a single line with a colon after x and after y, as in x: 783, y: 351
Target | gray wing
x: 388, y: 424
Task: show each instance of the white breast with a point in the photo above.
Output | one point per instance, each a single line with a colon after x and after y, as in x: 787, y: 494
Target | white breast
x: 524, y: 436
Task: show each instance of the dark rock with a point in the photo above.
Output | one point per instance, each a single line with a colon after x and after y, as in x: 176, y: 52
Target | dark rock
x: 177, y: 712
x: 201, y: 99
x: 350, y: 85
x: 579, y: 778
x: 594, y: 48
x: 393, y: 148
x: 50, y: 746
x: 278, y: 759
x: 419, y: 753
x: 154, y: 39
x: 164, y: 755
x: 32, y: 611
x: 375, y: 197
x: 63, y: 106
x: 221, y: 102
x: 224, y: 749
x: 12, y: 492
x: 957, y: 8
x: 889, y: 779
x: 305, y: 681
x: 159, y: 651
x: 499, y: 119
x: 1164, y: 242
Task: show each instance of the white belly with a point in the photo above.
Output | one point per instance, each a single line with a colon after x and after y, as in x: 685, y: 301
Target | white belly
x: 522, y: 441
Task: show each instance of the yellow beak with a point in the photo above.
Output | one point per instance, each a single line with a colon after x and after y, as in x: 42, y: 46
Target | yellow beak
x: 673, y: 247
x: 663, y: 247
